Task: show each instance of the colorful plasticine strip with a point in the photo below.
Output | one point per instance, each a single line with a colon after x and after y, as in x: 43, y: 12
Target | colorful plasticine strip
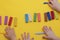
x: 15, y: 22
x: 6, y: 20
x: 52, y: 15
x: 45, y: 17
x: 39, y: 17
x: 56, y: 15
x: 10, y: 21
x: 47, y: 2
x: 30, y: 18
x: 26, y: 18
x: 48, y: 15
x: 35, y: 17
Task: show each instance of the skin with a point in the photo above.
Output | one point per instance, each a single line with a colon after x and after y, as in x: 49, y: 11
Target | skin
x: 26, y: 36
x: 49, y: 34
x: 10, y: 33
x: 54, y: 5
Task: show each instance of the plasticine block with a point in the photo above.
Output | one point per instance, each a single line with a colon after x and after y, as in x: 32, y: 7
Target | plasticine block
x: 30, y: 18
x: 39, y: 17
x: 6, y: 20
x: 56, y: 15
x: 15, y: 21
x: 0, y: 20
x: 48, y: 15
x: 45, y: 17
x: 26, y: 18
x: 10, y: 21
x: 35, y: 17
x: 47, y: 2
x: 52, y: 15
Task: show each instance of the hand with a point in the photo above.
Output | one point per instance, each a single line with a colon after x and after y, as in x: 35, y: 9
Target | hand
x: 54, y: 5
x: 49, y: 34
x: 26, y: 37
x: 10, y: 34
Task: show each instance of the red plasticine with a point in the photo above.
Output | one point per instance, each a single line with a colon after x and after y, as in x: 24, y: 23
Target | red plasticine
x: 10, y: 21
x: 52, y: 15
x: 39, y: 17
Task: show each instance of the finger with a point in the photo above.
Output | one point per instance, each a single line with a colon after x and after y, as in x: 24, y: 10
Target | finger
x: 45, y: 37
x: 19, y: 39
x: 22, y: 37
x: 32, y: 39
x: 50, y: 28
x: 55, y: 0
x: 6, y: 31
x: 51, y: 1
x: 46, y: 28
x: 50, y: 5
x: 9, y: 28
x: 5, y: 28
x: 13, y: 30
x: 6, y: 35
x: 28, y: 36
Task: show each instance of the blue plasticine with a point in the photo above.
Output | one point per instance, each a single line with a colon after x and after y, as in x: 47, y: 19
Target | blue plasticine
x: 48, y: 15
x: 26, y: 18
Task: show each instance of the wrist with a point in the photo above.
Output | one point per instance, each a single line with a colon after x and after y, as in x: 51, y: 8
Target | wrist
x: 55, y: 38
x: 13, y: 38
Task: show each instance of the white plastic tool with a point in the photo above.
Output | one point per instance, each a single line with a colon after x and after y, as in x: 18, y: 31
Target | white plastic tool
x: 39, y: 33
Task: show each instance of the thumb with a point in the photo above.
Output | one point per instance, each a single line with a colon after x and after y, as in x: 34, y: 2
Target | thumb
x: 19, y: 39
x: 50, y: 5
x: 45, y: 37
x: 6, y: 35
x: 32, y: 39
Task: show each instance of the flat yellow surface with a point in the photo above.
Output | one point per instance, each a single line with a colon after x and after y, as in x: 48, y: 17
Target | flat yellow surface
x: 17, y: 8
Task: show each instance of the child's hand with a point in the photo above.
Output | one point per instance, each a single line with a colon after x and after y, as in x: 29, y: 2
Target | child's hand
x: 26, y: 36
x: 49, y: 34
x: 54, y: 5
x: 10, y: 34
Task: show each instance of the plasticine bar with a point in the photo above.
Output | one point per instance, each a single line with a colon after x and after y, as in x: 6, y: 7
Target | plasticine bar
x: 35, y: 17
x: 56, y: 15
x: 0, y: 20
x: 6, y: 20
x: 30, y: 18
x: 47, y: 2
x: 48, y: 15
x: 15, y: 22
x: 45, y: 17
x: 10, y: 21
x: 39, y: 33
x: 52, y: 15
x: 39, y: 17
x: 26, y: 18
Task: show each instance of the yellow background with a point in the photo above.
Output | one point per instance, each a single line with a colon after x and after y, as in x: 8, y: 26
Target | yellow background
x: 17, y: 8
